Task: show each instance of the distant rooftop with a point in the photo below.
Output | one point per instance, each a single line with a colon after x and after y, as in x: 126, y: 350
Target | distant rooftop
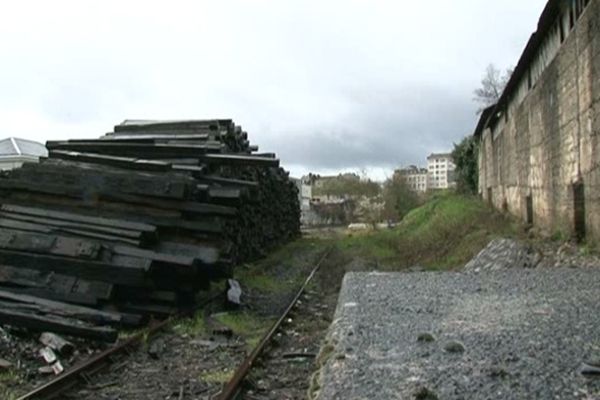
x: 439, y: 155
x: 21, y: 147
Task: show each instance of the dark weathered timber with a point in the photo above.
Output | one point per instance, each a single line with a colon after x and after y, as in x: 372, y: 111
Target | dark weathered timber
x: 93, y: 206
x: 206, y: 253
x: 84, y: 219
x: 176, y: 260
x: 156, y: 310
x: 130, y: 272
x: 123, y: 162
x: 53, y: 286
x: 73, y: 298
x: 151, y: 137
x: 140, y: 150
x: 51, y: 244
x: 87, y: 181
x: 46, y: 306
x: 57, y: 324
x: 227, y: 181
x: 179, y: 125
x: 53, y: 223
x: 231, y: 159
x: 187, y: 206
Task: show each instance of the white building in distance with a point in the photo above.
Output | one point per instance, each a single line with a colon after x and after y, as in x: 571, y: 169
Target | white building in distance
x: 14, y: 152
x: 416, y: 178
x: 440, y: 168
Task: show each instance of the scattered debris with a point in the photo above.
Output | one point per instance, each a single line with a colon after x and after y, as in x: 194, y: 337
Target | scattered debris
x: 57, y: 343
x: 4, y: 364
x: 590, y: 370
x: 234, y: 292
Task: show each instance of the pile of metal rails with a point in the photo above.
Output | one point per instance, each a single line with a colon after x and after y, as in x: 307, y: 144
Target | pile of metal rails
x: 108, y: 232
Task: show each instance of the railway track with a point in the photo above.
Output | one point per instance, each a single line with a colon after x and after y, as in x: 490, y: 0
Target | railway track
x: 233, y: 388
x: 85, y: 371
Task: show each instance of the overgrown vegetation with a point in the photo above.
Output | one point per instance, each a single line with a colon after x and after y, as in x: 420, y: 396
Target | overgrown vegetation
x: 9, y: 379
x: 399, y: 199
x: 467, y: 170
x: 346, y: 185
x: 217, y: 376
x: 246, y: 325
x: 192, y: 326
x: 444, y: 233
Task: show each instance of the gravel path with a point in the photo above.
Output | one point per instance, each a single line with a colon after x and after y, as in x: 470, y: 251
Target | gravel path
x: 514, y: 334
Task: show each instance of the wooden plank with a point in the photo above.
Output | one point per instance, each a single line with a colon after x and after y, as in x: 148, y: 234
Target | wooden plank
x: 68, y: 224
x: 131, y: 273
x: 157, y: 310
x: 81, y: 193
x: 208, y: 254
x: 140, y: 150
x: 57, y: 324
x: 52, y: 244
x: 92, y: 207
x: 154, y: 256
x: 155, y: 125
x: 65, y: 216
x: 151, y: 137
x: 103, y: 159
x: 90, y: 180
x: 228, y: 181
x: 39, y: 279
x: 73, y: 298
x: 46, y: 306
x: 231, y: 159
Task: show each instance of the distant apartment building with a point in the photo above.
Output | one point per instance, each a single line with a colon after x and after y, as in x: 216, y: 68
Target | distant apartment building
x: 14, y: 152
x: 440, y: 168
x: 416, y: 178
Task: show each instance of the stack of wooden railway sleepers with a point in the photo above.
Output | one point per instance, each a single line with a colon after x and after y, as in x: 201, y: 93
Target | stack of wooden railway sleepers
x: 107, y: 232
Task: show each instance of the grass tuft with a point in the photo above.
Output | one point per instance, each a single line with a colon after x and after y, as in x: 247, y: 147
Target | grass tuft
x: 219, y: 376
x: 192, y: 326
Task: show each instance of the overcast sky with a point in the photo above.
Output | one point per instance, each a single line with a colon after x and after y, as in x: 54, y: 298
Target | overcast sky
x: 328, y: 85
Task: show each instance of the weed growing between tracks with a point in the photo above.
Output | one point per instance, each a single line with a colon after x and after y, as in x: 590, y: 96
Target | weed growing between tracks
x: 9, y: 379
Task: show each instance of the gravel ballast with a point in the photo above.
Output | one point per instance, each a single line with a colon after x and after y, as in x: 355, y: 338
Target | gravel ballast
x: 512, y: 334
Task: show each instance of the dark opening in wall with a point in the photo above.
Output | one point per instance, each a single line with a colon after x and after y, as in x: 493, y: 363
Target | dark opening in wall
x: 529, y: 210
x: 561, y: 29
x: 571, y: 17
x: 579, y: 210
x: 489, y: 196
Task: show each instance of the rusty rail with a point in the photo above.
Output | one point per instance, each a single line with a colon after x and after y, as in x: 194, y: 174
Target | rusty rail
x: 232, y: 389
x: 70, y: 378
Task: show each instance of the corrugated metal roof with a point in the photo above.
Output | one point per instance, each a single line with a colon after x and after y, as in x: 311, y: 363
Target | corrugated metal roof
x: 14, y: 147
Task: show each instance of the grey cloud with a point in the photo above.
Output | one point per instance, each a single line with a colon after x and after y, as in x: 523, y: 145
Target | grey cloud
x: 325, y: 84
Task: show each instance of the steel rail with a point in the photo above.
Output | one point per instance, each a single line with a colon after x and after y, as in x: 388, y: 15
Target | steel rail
x: 92, y: 365
x: 232, y: 389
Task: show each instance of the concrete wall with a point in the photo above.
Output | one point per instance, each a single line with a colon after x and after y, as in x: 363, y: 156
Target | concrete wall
x: 549, y: 138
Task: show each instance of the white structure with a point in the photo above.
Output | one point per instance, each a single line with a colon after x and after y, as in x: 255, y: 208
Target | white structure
x: 441, y: 171
x: 305, y: 188
x: 14, y: 152
x: 416, y: 178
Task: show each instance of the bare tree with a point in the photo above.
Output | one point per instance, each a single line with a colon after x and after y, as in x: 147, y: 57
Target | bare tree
x: 492, y: 86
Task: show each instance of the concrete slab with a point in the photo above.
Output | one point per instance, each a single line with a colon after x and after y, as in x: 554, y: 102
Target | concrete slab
x: 516, y: 334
